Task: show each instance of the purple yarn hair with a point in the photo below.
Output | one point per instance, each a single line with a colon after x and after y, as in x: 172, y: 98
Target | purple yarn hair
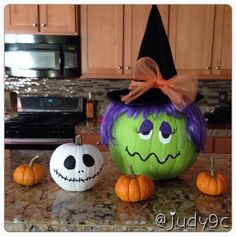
x: 195, y: 122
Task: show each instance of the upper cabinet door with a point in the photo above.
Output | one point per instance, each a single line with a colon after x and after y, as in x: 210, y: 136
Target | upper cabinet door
x: 58, y: 19
x: 191, y: 37
x: 111, y: 38
x: 102, y: 40
x: 136, y: 17
x: 41, y: 19
x: 222, y: 45
x: 21, y: 18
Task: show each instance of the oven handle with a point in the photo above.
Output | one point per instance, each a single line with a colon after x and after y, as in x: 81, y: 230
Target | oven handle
x: 38, y: 140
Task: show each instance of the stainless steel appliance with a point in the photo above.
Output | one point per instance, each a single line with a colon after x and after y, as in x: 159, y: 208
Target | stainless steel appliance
x: 42, y: 55
x: 44, y: 122
x: 220, y: 114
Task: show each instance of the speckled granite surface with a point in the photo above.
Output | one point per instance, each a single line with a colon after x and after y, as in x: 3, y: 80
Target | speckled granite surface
x: 46, y: 207
x: 87, y: 127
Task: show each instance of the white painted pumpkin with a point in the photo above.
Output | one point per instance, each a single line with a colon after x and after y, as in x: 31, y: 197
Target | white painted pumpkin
x: 76, y: 166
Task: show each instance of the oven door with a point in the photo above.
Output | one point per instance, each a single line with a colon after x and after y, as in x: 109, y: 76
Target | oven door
x: 37, y: 137
x: 33, y: 60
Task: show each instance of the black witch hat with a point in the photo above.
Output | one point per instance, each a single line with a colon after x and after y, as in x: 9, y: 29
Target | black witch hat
x: 155, y: 45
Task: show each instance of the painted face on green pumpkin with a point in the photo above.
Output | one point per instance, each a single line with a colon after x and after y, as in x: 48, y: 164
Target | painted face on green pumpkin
x: 155, y: 146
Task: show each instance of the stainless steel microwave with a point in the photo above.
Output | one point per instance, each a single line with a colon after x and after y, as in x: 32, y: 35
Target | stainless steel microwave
x: 51, y: 56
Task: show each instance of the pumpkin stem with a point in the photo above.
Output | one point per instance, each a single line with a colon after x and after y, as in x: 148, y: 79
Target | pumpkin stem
x: 78, y: 140
x: 131, y: 171
x: 212, y: 166
x: 32, y: 160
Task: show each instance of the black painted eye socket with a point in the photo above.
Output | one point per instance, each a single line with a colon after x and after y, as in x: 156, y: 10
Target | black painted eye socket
x: 69, y: 162
x: 165, y: 129
x: 165, y: 132
x: 145, y: 130
x: 88, y: 160
x: 146, y: 127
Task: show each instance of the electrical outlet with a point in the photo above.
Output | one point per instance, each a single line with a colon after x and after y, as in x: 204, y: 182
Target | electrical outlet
x: 223, y: 96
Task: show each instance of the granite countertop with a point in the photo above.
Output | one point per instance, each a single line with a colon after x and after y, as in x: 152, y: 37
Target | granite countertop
x: 46, y: 207
x: 216, y: 130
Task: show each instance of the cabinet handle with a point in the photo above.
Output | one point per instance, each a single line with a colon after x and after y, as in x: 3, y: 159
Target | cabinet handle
x: 43, y: 25
x: 98, y: 143
x: 217, y: 67
x: 35, y: 24
x: 208, y: 68
x: 119, y: 67
x: 127, y: 67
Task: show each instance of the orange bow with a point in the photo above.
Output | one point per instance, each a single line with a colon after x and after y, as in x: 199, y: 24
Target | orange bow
x: 181, y: 89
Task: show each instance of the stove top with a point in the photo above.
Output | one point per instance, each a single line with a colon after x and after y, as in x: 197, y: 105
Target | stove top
x: 36, y: 128
x: 37, y: 121
x: 221, y: 114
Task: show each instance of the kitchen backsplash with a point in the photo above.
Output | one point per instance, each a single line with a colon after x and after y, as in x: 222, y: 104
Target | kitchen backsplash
x: 216, y: 92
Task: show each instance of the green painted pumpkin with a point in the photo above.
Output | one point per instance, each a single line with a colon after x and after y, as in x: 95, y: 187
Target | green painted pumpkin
x: 157, y: 146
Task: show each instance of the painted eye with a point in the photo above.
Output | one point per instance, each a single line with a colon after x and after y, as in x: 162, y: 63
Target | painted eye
x: 69, y: 162
x: 88, y: 160
x: 165, y: 133
x: 145, y: 130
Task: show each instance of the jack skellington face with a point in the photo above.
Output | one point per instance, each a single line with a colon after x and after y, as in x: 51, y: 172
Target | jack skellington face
x: 76, y: 167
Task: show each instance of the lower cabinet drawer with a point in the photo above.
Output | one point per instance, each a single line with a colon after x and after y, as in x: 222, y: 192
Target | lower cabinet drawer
x: 93, y: 139
x: 209, y: 146
x: 222, y: 145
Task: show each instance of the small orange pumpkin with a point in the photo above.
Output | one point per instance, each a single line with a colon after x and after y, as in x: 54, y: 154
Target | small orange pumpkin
x: 134, y: 188
x: 211, y: 183
x: 29, y: 174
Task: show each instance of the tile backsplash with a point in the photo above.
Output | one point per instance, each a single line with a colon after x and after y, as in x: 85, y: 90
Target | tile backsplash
x: 216, y: 92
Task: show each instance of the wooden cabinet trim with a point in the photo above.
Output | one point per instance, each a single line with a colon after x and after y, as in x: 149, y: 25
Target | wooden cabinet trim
x: 84, y: 35
x: 222, y: 44
x: 127, y: 40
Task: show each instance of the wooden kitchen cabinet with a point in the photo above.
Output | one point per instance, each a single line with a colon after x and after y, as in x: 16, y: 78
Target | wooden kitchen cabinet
x: 191, y: 37
x: 222, y: 145
x: 209, y: 145
x: 41, y: 19
x: 21, y: 18
x: 93, y: 139
x: 101, y: 40
x: 222, y: 44
x: 218, y: 145
x: 111, y: 36
x: 200, y: 38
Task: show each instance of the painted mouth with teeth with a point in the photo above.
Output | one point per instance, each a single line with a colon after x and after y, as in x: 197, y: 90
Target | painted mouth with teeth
x: 159, y: 160
x: 79, y: 179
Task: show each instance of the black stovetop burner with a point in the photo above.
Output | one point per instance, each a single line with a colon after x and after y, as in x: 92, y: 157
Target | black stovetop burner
x: 45, y: 123
x: 57, y: 120
x: 220, y: 115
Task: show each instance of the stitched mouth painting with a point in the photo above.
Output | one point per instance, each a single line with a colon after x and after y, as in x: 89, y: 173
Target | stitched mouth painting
x: 160, y: 161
